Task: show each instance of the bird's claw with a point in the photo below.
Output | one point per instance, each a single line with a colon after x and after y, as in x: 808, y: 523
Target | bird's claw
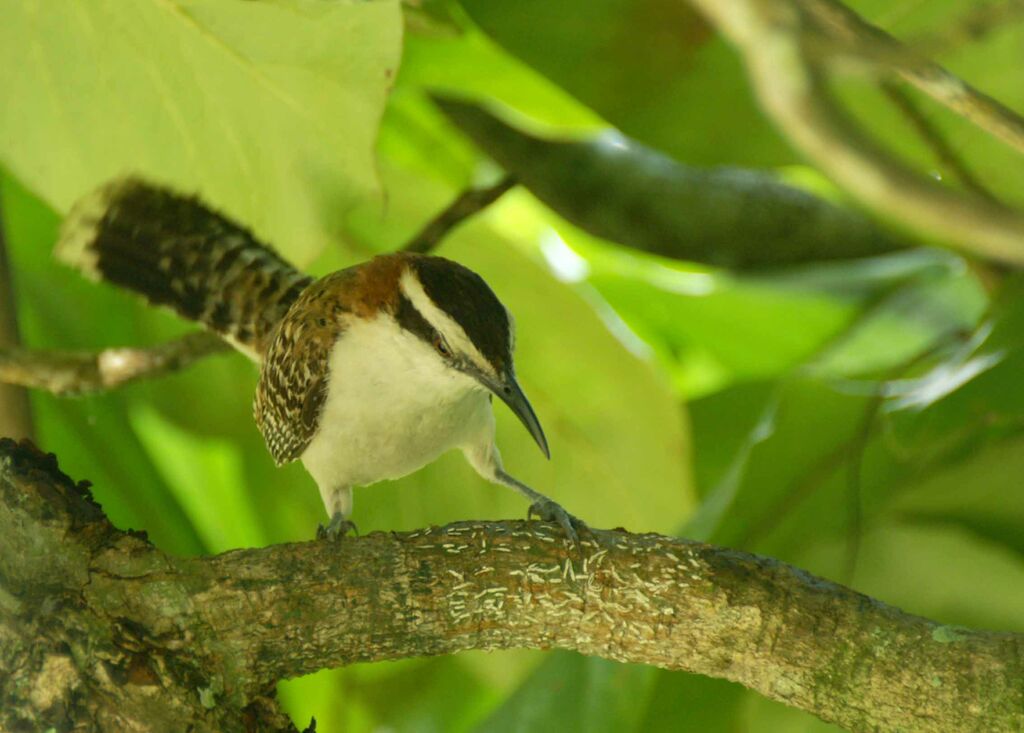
x: 547, y: 510
x: 337, y: 528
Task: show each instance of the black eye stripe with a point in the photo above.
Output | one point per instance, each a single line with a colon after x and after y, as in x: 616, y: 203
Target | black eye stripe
x: 410, y: 319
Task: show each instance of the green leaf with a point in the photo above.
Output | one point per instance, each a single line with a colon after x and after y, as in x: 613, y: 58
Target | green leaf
x: 207, y: 479
x: 269, y: 110
x: 570, y: 692
x: 652, y: 68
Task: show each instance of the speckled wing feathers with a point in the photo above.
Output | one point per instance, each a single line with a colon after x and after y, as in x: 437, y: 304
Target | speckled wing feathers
x: 178, y: 253
x: 293, y: 377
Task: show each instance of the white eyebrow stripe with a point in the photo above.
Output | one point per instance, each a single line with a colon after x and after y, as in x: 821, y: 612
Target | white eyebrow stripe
x: 511, y: 332
x: 444, y: 323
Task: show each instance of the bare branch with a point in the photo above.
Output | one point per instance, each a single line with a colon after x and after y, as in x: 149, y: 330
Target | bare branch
x: 77, y: 372
x: 846, y: 33
x: 771, y: 36
x: 944, y: 152
x: 199, y: 641
x: 974, y: 25
x: 468, y: 203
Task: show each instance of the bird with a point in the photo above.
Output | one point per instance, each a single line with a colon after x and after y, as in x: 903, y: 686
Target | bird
x: 365, y: 374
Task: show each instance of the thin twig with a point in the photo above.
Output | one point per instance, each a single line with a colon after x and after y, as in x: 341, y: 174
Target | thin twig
x: 78, y: 372
x: 15, y: 408
x: 771, y: 36
x: 931, y: 135
x: 468, y: 203
x: 971, y: 27
x: 846, y: 33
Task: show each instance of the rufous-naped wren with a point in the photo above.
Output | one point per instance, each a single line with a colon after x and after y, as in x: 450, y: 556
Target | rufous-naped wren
x: 366, y: 374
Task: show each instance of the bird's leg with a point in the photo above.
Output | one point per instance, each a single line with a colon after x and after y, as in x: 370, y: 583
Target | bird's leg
x: 545, y: 509
x: 486, y: 459
x: 338, y: 501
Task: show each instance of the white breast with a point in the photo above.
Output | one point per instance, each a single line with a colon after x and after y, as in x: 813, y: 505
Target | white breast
x: 392, y: 406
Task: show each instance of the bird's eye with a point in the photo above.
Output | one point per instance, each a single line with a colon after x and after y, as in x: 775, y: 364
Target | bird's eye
x: 441, y: 346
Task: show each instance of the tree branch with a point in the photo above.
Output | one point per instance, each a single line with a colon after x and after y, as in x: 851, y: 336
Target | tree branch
x: 102, y: 628
x: 972, y: 26
x: 79, y: 372
x: 774, y: 39
x: 944, y: 153
x: 469, y: 202
x: 846, y: 33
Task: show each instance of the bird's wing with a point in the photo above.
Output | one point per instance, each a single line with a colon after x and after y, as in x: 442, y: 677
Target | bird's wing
x: 294, y: 374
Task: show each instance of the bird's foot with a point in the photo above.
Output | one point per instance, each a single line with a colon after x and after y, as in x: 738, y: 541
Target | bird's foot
x: 547, y: 510
x: 337, y: 528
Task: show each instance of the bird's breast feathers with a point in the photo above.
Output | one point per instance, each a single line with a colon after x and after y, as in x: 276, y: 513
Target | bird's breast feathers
x: 391, y: 407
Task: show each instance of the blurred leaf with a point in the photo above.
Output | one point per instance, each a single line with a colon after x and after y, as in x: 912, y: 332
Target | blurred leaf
x: 418, y: 696
x: 930, y: 308
x: 685, y: 93
x: 570, y: 692
x: 619, y: 190
x: 784, y: 471
x: 270, y: 110
x: 939, y: 571
x: 470, y: 63
x: 981, y: 493
x: 969, y: 393
x: 206, y: 477
x: 691, y: 703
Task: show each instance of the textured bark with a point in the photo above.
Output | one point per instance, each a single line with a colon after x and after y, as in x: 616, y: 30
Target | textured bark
x: 99, y: 629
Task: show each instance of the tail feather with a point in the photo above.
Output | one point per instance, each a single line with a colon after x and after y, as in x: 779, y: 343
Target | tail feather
x: 178, y: 253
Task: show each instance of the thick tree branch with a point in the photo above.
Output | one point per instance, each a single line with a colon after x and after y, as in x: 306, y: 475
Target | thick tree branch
x: 99, y: 627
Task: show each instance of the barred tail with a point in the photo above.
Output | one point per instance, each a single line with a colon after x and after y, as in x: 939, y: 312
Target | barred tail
x: 176, y: 252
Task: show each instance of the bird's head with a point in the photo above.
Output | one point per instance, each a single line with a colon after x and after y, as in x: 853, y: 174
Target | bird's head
x: 452, y: 309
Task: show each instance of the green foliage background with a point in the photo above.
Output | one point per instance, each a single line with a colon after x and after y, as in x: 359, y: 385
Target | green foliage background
x: 861, y: 420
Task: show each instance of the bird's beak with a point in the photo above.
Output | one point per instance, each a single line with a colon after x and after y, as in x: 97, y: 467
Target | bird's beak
x: 509, y: 391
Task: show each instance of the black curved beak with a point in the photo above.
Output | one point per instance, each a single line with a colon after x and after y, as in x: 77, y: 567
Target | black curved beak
x: 509, y: 391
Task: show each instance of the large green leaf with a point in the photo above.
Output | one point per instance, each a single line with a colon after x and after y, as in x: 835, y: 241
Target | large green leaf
x: 653, y: 68
x: 270, y: 109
